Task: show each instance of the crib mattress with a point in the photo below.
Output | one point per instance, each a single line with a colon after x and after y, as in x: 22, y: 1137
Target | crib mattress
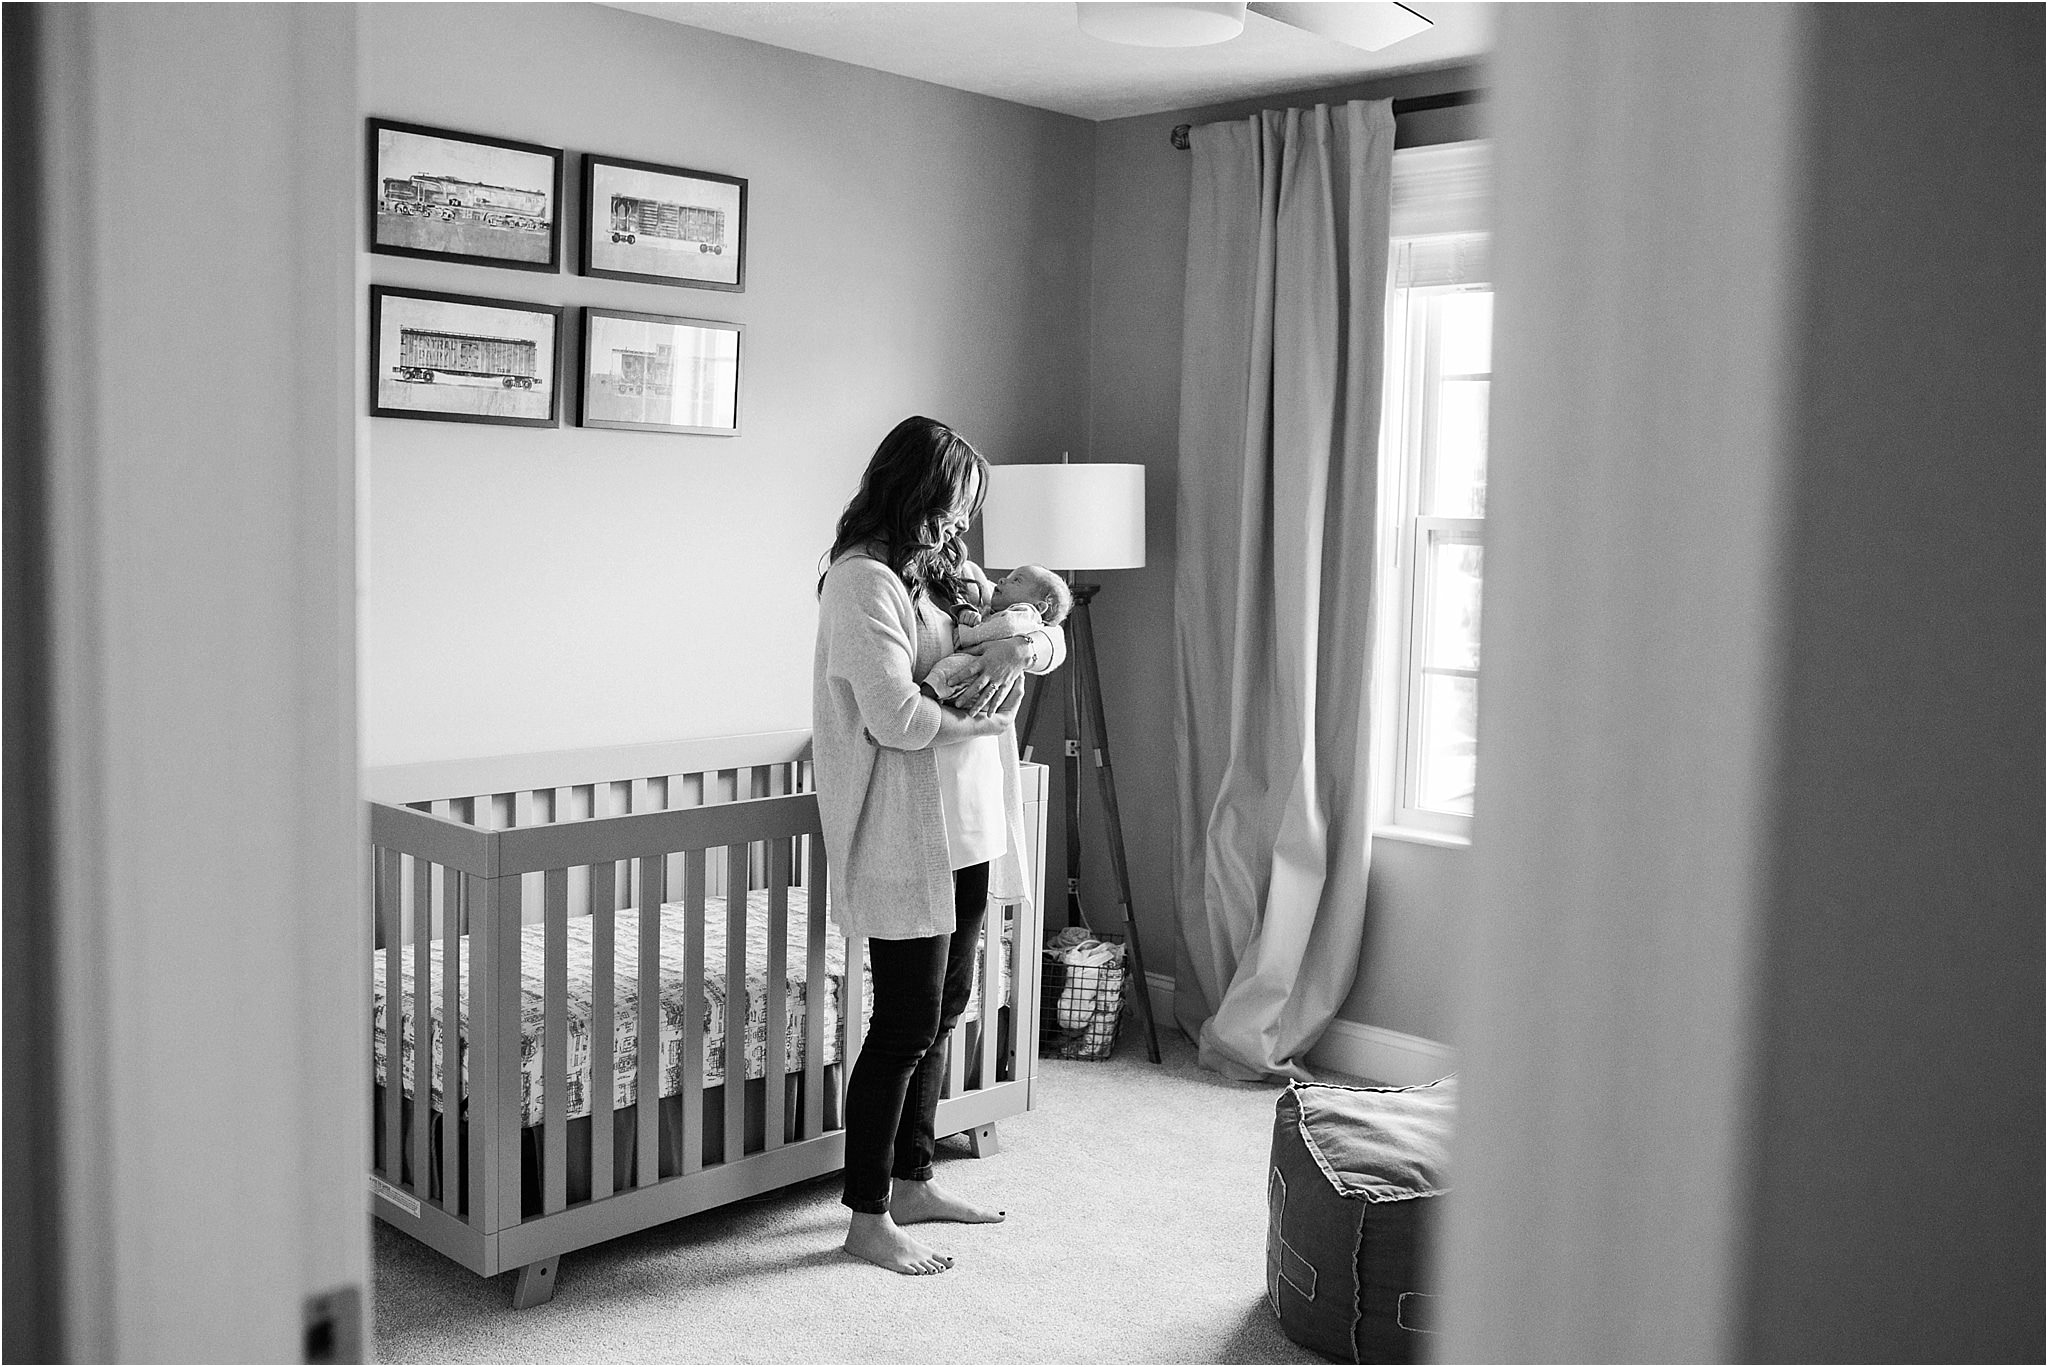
x: 626, y: 995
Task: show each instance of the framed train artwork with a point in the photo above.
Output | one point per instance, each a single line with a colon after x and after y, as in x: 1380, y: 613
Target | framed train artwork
x: 463, y: 358
x: 647, y: 372
x: 663, y: 225
x: 449, y: 196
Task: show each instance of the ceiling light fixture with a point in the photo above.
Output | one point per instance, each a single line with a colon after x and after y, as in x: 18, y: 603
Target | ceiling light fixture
x: 1162, y: 23
x: 1365, y: 24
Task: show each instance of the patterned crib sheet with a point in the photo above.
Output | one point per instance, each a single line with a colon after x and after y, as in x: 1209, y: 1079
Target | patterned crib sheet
x: 626, y: 996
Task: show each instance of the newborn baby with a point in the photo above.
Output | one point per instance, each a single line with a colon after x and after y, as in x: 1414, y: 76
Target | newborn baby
x: 1025, y: 599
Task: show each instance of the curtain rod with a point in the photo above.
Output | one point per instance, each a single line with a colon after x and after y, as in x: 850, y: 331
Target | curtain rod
x: 1420, y: 104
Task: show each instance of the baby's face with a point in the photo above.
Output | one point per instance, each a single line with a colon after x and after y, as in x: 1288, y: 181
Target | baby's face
x: 1018, y: 586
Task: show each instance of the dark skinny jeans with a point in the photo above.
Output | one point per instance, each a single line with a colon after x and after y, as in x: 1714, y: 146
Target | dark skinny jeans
x: 892, y: 1099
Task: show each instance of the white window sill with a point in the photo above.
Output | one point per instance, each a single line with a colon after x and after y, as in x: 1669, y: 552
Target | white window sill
x: 1415, y: 835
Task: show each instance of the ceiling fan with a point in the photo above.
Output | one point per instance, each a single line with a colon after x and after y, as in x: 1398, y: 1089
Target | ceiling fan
x: 1367, y: 24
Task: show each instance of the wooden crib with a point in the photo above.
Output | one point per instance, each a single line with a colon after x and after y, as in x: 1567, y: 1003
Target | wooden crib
x: 544, y: 870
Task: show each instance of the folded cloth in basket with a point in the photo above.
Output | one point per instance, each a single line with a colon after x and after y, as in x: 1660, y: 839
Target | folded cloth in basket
x: 626, y: 995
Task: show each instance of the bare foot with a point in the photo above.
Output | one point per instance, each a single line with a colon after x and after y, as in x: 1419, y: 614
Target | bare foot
x: 913, y: 1203
x: 877, y: 1239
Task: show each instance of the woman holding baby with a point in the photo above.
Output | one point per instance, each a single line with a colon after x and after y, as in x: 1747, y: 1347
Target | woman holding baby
x: 921, y: 805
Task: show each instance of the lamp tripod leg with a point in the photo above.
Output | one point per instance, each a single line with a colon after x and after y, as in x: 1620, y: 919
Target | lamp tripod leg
x: 1033, y: 696
x: 1105, y: 778
x: 1071, y: 769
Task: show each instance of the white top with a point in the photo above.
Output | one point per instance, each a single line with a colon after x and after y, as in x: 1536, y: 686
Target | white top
x: 971, y: 799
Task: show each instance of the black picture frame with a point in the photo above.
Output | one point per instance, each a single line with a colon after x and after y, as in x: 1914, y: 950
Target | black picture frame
x: 442, y: 195
x: 663, y: 225
x: 465, y: 361
x: 696, y: 378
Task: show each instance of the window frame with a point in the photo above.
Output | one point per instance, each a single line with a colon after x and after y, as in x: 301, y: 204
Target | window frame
x: 1443, y: 207
x: 1413, y: 567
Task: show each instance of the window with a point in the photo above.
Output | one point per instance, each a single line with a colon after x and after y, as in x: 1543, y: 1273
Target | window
x: 1433, y: 496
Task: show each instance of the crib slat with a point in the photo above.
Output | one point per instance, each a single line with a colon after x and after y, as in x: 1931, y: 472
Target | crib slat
x: 554, y: 1046
x: 693, y: 1011
x: 618, y: 885
x: 816, y: 987
x: 955, y: 1076
x: 603, y: 1012
x: 387, y: 935
x: 647, y: 1031
x: 737, y: 859
x: 494, y: 1034
x: 853, y: 1018
x: 798, y: 775
x: 449, y: 880
x: 422, y: 1021
x: 451, y: 1042
x: 775, y: 1019
x: 991, y: 987
x: 675, y: 793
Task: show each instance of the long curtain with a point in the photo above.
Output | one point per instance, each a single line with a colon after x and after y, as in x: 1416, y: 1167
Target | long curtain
x: 1273, y: 617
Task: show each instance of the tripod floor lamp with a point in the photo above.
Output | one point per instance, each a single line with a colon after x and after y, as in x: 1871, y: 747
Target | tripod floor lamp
x: 1074, y: 518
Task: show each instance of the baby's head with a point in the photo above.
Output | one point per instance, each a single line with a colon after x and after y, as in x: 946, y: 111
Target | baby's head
x: 1038, y: 586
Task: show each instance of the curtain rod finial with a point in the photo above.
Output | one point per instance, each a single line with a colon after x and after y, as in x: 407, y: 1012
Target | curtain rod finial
x: 1180, y: 136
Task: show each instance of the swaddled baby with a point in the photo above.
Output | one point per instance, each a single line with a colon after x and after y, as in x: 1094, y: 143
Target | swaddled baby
x: 1025, y: 599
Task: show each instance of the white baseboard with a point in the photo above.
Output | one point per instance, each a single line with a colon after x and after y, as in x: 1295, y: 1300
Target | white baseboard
x: 1383, y: 1055
x: 1370, y: 1051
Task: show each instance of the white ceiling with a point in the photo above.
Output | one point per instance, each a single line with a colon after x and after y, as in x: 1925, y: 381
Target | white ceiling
x: 1032, y: 51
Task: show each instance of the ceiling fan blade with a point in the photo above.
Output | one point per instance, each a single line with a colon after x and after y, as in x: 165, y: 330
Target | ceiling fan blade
x: 1367, y: 24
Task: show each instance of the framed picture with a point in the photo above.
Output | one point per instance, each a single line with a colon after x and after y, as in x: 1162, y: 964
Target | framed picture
x: 459, y: 358
x: 461, y: 197
x: 664, y: 225
x: 644, y: 372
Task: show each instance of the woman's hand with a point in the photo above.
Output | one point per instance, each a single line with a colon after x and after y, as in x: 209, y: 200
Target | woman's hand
x: 1001, y: 675
x: 956, y: 726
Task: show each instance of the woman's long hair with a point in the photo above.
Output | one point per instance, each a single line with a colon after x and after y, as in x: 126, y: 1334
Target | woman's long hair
x: 911, y: 483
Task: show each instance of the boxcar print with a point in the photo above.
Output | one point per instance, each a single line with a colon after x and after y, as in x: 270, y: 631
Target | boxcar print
x: 423, y: 354
x: 634, y: 218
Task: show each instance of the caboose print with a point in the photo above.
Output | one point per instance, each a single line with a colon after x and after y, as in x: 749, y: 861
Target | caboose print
x: 646, y: 372
x: 634, y: 218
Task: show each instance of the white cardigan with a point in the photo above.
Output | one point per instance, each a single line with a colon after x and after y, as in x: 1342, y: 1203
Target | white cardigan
x: 871, y: 746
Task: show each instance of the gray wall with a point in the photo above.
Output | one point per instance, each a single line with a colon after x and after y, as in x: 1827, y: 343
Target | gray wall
x: 910, y: 249
x: 1140, y: 266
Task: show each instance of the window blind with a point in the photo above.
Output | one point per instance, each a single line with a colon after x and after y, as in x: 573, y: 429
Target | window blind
x: 1450, y: 259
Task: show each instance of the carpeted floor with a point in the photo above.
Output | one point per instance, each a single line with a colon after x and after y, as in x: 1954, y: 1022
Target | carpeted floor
x: 1136, y: 1233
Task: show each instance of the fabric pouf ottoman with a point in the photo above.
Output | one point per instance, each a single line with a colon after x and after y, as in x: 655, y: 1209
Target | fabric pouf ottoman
x: 1353, y: 1196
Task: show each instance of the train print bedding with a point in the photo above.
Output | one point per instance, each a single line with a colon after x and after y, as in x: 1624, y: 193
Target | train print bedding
x: 486, y: 872
x: 625, y: 1034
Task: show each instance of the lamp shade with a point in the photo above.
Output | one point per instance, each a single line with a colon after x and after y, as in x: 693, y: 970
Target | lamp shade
x: 1064, y: 517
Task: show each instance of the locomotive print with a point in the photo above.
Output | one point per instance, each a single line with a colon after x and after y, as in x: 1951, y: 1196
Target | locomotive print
x: 424, y: 354
x: 451, y: 199
x: 634, y: 217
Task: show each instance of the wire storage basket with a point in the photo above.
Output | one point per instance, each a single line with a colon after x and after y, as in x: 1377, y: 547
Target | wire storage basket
x: 1082, y: 1005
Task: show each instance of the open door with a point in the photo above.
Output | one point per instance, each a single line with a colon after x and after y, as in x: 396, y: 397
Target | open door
x: 181, y: 334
